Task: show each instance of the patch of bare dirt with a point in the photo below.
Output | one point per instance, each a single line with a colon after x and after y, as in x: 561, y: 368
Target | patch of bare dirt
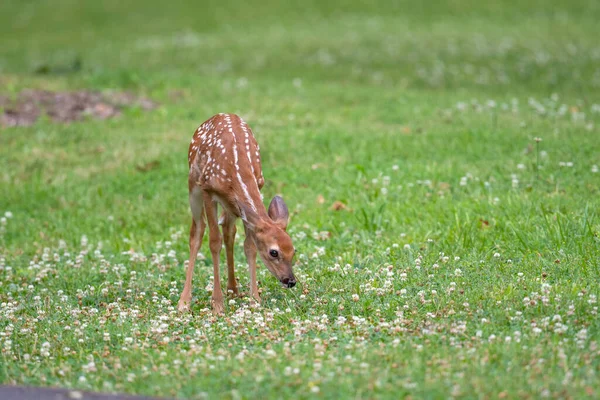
x: 65, y: 107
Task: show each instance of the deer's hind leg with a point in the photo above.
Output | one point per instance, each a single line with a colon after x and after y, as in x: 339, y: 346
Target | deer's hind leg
x: 215, y: 249
x: 229, y: 231
x: 196, y: 235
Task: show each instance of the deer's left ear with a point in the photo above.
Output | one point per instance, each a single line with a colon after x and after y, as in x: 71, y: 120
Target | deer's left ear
x: 250, y: 218
x: 278, y: 212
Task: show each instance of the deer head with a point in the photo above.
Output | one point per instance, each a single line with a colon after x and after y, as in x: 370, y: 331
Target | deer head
x: 273, y: 243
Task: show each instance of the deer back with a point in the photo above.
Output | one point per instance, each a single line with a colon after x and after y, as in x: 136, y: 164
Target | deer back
x: 224, y: 160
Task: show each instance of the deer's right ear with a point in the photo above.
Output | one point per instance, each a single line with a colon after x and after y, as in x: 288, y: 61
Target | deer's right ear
x: 278, y: 212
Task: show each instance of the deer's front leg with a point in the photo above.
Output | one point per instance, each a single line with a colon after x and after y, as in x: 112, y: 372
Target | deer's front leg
x: 215, y: 250
x: 250, y: 251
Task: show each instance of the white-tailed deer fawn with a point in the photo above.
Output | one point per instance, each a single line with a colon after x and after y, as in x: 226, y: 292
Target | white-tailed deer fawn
x: 225, y: 169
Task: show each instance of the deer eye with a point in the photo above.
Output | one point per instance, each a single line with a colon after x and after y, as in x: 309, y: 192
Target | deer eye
x: 274, y: 253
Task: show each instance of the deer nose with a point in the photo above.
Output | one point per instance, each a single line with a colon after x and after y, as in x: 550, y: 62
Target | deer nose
x: 289, y: 282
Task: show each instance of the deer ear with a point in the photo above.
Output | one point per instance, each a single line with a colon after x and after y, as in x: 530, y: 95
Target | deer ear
x: 249, y: 217
x: 278, y: 212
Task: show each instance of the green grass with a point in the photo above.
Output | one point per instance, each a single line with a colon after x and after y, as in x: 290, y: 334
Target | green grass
x: 466, y: 264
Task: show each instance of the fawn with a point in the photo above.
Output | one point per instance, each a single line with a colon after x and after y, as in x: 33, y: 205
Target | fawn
x: 225, y: 169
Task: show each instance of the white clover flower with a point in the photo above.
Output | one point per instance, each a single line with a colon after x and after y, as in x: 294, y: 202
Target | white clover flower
x: 45, y: 350
x: 270, y: 353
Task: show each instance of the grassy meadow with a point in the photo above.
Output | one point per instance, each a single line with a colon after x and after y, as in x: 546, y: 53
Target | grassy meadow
x: 461, y: 137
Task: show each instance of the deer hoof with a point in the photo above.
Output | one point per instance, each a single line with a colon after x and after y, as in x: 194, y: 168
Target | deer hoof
x: 183, y: 306
x: 217, y: 307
